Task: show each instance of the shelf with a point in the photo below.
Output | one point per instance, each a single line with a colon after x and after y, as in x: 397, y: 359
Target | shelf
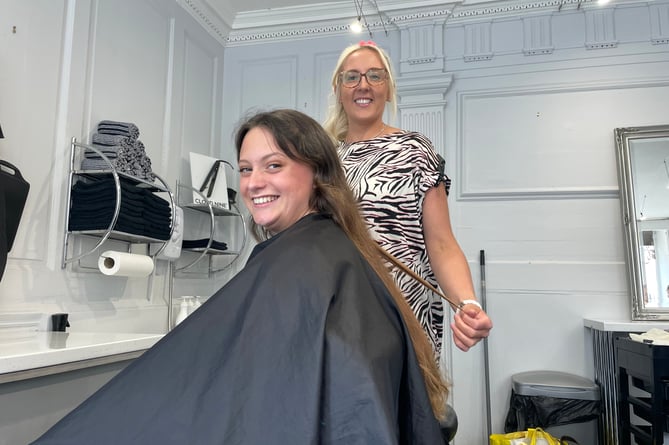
x: 213, y: 212
x: 211, y: 251
x: 118, y: 236
x: 138, y: 182
x: 157, y: 185
x: 217, y: 211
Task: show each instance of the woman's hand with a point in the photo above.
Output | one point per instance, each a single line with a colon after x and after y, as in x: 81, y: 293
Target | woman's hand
x: 470, y: 325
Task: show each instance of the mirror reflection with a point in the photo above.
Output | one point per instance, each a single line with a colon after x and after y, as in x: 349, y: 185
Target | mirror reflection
x: 643, y: 169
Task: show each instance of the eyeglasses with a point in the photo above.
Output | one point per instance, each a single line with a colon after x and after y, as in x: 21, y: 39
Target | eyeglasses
x: 374, y: 76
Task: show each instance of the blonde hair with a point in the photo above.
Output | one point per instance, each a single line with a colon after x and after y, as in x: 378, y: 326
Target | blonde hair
x: 302, y: 139
x: 336, y: 123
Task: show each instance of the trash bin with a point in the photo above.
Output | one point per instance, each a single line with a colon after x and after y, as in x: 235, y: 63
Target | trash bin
x: 560, y: 403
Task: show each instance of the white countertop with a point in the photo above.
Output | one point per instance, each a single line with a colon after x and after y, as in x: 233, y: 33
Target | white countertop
x: 48, y: 349
x: 624, y: 325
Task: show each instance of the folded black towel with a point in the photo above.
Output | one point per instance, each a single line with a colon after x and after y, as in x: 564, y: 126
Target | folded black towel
x: 105, y: 186
x: 124, y: 223
x: 202, y: 243
x: 102, y: 193
x: 107, y: 206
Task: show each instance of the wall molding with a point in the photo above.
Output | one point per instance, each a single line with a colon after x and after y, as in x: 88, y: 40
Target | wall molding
x: 207, y: 18
x: 465, y: 190
x: 478, y: 41
x: 600, y: 29
x: 541, y: 193
x: 659, y: 24
x: 333, y: 18
x: 537, y: 36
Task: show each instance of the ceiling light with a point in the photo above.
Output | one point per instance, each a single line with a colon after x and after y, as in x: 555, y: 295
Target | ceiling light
x: 361, y: 23
x: 356, y: 26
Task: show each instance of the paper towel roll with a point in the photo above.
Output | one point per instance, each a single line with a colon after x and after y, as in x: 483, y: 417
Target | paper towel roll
x: 123, y: 264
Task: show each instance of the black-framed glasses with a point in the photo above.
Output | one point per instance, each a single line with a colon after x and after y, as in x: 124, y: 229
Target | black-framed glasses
x: 374, y: 76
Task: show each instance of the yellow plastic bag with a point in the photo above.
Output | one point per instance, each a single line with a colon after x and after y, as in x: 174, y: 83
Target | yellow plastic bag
x: 533, y: 436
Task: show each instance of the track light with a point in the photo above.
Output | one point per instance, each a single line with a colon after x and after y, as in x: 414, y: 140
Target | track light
x: 361, y: 23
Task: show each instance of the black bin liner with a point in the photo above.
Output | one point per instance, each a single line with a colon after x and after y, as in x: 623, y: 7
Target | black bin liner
x: 544, y: 412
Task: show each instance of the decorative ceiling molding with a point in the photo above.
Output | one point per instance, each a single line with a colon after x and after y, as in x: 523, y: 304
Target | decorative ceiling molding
x: 334, y: 18
x: 208, y: 18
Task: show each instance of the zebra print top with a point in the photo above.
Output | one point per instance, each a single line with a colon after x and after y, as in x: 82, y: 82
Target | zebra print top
x: 390, y: 175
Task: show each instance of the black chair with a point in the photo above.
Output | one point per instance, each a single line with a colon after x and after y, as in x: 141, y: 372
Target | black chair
x: 449, y: 426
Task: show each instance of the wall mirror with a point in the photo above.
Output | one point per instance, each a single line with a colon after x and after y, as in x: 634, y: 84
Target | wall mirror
x: 643, y: 174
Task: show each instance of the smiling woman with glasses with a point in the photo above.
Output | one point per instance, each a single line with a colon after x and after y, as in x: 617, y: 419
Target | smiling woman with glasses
x: 374, y: 76
x: 399, y: 181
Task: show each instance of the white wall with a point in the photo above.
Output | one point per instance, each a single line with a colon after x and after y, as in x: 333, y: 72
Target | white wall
x: 68, y: 65
x: 528, y: 138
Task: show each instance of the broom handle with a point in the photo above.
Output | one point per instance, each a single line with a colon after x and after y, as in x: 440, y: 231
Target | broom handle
x: 485, y: 344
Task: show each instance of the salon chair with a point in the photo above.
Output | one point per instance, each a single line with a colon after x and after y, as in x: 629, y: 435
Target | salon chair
x: 449, y: 426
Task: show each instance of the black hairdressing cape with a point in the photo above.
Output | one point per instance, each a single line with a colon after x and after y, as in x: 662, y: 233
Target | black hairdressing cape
x: 303, y: 346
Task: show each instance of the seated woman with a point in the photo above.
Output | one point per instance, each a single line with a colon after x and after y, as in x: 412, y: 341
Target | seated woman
x: 311, y: 343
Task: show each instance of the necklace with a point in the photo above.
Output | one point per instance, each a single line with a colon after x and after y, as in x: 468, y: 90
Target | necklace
x: 380, y: 131
x: 383, y: 127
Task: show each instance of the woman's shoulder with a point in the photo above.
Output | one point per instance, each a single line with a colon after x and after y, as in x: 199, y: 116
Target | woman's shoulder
x: 414, y: 136
x: 315, y: 239
x: 414, y: 142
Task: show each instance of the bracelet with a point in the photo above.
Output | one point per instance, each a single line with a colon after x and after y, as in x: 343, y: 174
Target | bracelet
x: 463, y: 303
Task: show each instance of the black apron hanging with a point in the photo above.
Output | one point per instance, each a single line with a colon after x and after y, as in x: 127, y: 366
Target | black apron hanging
x: 13, y: 194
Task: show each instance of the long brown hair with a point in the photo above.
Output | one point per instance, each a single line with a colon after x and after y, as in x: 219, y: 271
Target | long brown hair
x: 304, y: 140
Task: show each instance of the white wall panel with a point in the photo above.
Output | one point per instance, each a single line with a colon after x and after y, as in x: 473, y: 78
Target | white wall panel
x: 268, y: 83
x: 525, y: 142
x: 30, y: 39
x: 568, y: 29
x: 128, y: 79
x: 200, y: 99
x: 323, y: 66
x: 540, y: 230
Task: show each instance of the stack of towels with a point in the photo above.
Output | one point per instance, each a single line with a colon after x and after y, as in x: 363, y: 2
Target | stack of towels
x: 142, y: 212
x: 119, y: 142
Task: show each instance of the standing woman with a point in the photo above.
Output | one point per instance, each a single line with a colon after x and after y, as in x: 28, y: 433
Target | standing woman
x: 399, y: 181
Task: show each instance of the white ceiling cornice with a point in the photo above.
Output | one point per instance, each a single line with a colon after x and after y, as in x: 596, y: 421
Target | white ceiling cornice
x: 342, y: 11
x: 208, y: 18
x: 334, y: 18
x: 328, y: 19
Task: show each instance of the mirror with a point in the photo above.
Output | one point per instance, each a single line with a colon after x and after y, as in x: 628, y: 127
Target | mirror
x: 643, y: 174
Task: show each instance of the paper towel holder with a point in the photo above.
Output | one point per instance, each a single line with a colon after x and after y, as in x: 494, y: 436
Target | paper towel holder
x: 59, y: 322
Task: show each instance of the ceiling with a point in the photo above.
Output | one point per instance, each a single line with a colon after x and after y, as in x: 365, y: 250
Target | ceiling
x: 239, y: 21
x: 249, y: 13
x: 256, y: 5
x: 229, y: 9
